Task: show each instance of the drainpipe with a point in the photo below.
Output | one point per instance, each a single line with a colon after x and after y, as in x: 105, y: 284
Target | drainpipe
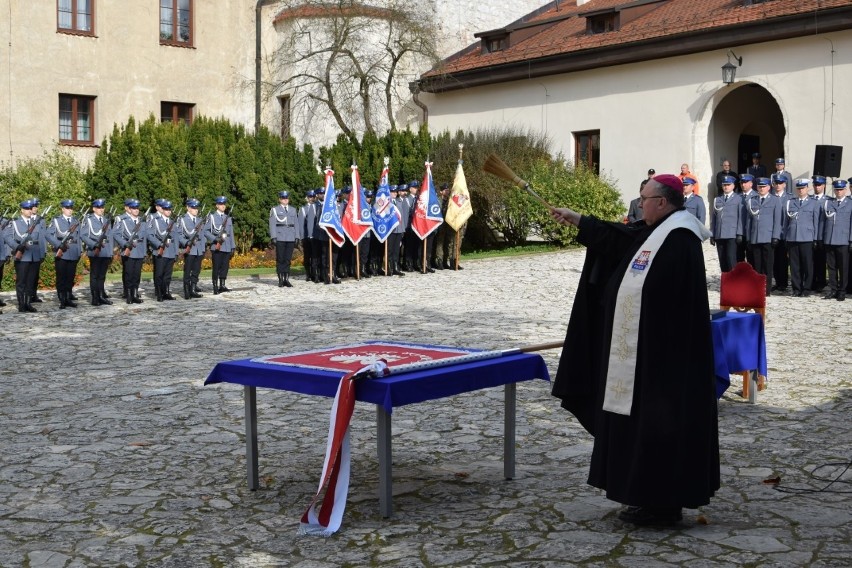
x: 414, y: 87
x: 257, y: 48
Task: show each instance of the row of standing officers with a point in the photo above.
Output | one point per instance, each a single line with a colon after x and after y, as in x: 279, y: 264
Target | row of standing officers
x: 98, y: 236
x: 792, y: 238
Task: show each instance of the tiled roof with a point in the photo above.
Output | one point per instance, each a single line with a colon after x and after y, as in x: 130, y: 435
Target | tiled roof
x: 664, y: 19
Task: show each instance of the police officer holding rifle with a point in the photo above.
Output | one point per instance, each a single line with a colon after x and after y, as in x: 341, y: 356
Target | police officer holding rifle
x: 129, y: 234
x: 95, y: 232
x: 190, y: 230
x: 63, y: 233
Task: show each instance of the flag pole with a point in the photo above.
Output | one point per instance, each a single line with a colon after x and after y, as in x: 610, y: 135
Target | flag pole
x: 423, y: 271
x: 457, y: 251
x: 357, y: 263
x: 330, y: 261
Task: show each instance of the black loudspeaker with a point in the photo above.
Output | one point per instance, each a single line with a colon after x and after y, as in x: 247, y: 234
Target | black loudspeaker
x: 827, y: 160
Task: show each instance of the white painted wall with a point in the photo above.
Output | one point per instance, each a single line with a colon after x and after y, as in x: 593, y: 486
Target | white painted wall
x: 658, y: 113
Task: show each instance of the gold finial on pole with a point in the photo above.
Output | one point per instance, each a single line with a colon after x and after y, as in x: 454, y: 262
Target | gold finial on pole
x: 387, y: 160
x: 461, y: 151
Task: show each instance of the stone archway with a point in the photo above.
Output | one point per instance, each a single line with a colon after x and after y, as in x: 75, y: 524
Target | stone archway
x: 746, y: 119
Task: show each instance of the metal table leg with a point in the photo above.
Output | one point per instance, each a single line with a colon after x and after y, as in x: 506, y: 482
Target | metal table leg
x: 752, y: 391
x: 510, y: 395
x: 250, y: 396
x: 383, y: 438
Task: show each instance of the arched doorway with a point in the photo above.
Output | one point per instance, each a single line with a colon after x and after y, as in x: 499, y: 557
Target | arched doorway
x: 747, y: 119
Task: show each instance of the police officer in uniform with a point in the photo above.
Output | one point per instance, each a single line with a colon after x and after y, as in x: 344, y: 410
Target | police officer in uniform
x: 395, y: 238
x: 190, y: 234
x: 363, y: 248
x: 693, y: 203
x: 163, y: 240
x: 781, y: 266
x: 95, y: 232
x: 345, y: 263
x: 756, y: 169
x: 726, y: 224
x: 764, y: 229
x: 284, y: 232
x: 34, y: 297
x: 307, y: 219
x: 801, y: 217
x: 747, y: 191
x: 4, y: 251
x: 24, y: 237
x: 63, y: 233
x: 219, y: 232
x: 837, y: 239
x: 129, y: 234
x: 326, y: 266
x: 820, y: 280
x: 442, y: 234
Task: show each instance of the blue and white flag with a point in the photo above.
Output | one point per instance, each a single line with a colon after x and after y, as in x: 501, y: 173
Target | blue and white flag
x: 385, y: 214
x: 427, y: 213
x: 330, y: 216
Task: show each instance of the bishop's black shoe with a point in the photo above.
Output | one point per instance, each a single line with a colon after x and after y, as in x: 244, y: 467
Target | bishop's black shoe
x: 651, y: 516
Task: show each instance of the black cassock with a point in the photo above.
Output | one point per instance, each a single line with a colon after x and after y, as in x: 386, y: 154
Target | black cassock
x: 666, y: 453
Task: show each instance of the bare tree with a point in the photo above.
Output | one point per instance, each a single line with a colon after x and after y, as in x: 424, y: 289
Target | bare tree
x: 349, y: 62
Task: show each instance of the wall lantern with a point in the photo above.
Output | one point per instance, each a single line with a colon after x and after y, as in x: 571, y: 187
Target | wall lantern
x: 729, y: 71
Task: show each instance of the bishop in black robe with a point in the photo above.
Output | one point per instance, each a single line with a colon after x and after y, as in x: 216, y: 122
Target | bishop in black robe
x: 665, y: 454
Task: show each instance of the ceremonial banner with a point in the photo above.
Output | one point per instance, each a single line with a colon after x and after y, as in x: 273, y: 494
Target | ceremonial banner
x: 357, y: 217
x: 385, y: 214
x: 427, y: 210
x: 330, y: 216
x: 459, y: 208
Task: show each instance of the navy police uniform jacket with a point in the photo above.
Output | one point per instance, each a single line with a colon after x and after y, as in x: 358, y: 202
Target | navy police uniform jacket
x: 220, y: 229
x: 764, y: 219
x: 186, y: 231
x: 16, y: 235
x: 695, y: 205
x: 94, y: 231
x: 725, y: 217
x: 159, y: 235
x: 801, y: 220
x: 283, y: 223
x: 838, y: 222
x: 123, y: 235
x: 58, y: 229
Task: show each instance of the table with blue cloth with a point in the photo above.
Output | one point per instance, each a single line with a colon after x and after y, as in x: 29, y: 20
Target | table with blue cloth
x: 386, y: 393
x: 739, y: 345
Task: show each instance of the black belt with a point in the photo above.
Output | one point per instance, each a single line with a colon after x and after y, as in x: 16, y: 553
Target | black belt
x: 282, y: 225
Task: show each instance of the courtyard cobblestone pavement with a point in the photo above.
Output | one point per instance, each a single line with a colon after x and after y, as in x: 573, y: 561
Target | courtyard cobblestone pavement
x: 115, y: 454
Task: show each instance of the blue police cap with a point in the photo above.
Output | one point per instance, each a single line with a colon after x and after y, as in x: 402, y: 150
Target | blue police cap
x: 414, y: 183
x: 803, y: 182
x: 35, y: 201
x: 311, y: 193
x: 403, y: 187
x: 320, y: 190
x: 347, y: 189
x: 192, y: 202
x: 27, y: 204
x: 159, y: 201
x: 165, y: 204
x: 778, y: 179
x: 67, y: 203
x: 726, y: 179
x: 131, y: 203
x: 762, y: 181
x: 744, y: 177
x: 393, y: 188
x: 221, y: 199
x: 688, y: 181
x: 99, y: 202
x: 819, y: 180
x: 283, y: 195
x: 839, y: 184
x: 369, y: 193
x: 779, y: 161
x: 756, y: 155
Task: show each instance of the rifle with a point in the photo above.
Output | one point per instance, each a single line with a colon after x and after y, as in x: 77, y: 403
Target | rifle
x: 63, y: 244
x: 220, y: 238
x: 196, y: 232
x: 104, y: 228
x: 130, y: 244
x: 175, y: 215
x: 19, y: 251
x: 4, y: 222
